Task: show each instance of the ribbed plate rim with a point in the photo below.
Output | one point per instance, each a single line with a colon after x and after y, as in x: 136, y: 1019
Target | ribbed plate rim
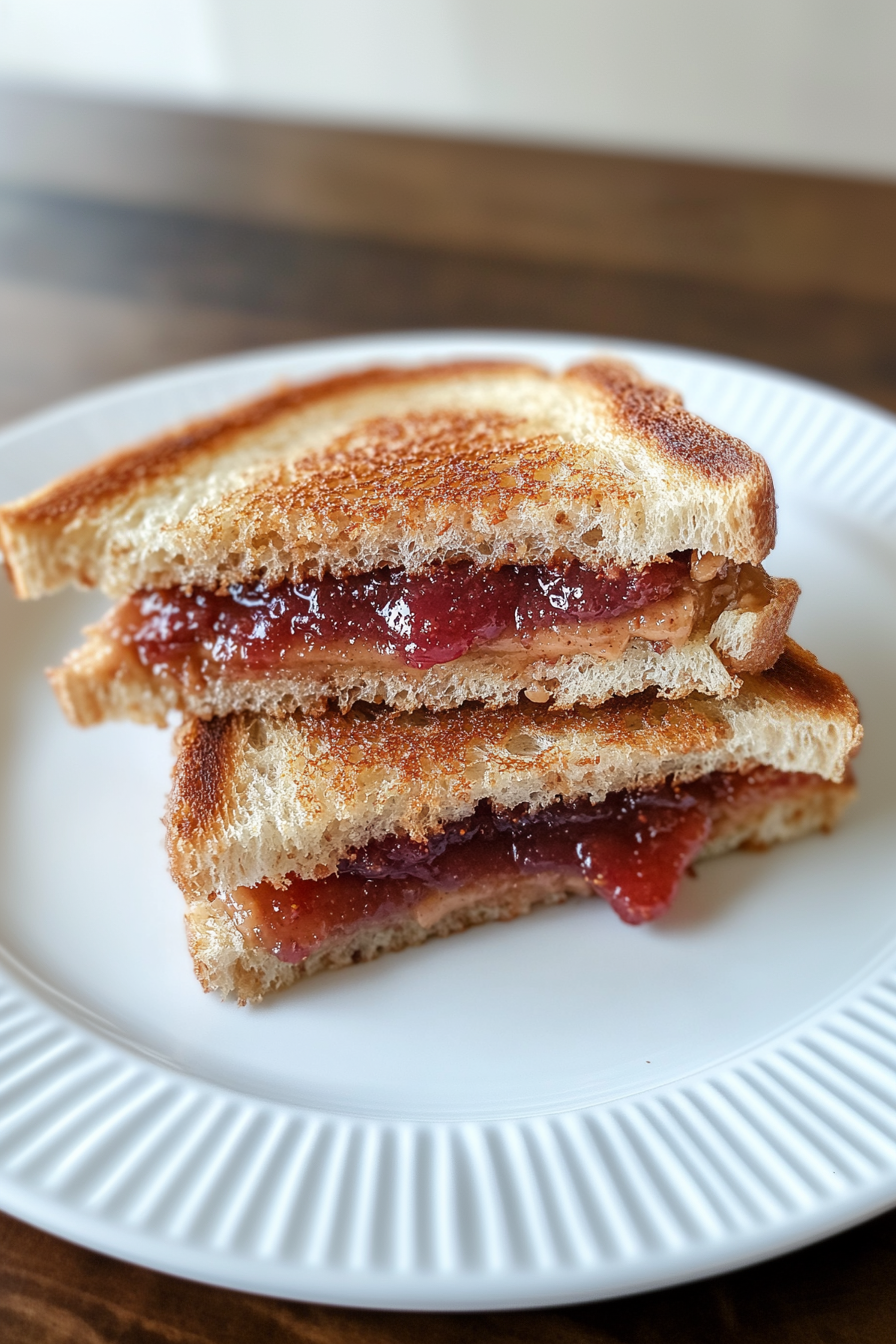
x: 529, y: 1283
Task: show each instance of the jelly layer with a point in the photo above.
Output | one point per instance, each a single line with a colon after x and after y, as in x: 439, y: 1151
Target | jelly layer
x: 420, y: 620
x: 632, y: 849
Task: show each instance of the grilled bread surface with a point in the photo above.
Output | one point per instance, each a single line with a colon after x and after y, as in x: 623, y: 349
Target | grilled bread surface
x: 491, y: 462
x: 256, y: 798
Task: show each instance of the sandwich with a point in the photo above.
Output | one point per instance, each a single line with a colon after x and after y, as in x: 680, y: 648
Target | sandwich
x: 308, y: 843
x: 415, y: 539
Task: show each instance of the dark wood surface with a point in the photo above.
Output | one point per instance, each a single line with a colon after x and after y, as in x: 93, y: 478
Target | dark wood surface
x: 91, y: 292
x: 800, y: 233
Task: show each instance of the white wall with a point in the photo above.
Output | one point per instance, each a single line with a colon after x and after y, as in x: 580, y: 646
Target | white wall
x: 802, y: 83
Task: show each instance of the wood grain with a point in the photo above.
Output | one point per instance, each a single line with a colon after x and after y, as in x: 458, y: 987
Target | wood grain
x: 93, y: 290
x: 840, y: 1292
x: 801, y: 233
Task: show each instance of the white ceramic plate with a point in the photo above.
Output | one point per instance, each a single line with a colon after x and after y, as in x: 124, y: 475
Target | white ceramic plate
x: 557, y: 1109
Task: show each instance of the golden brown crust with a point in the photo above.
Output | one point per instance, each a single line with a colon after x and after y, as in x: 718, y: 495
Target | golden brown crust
x: 799, y: 680
x: 133, y: 469
x: 419, y: 745
x: 203, y: 747
x: 657, y: 415
x: 296, y: 794
x: 460, y: 462
x: 417, y: 748
x: 492, y: 462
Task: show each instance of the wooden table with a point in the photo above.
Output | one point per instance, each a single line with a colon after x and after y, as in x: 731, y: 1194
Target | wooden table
x: 92, y: 291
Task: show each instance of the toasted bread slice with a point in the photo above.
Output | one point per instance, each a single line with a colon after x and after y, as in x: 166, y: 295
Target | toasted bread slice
x: 405, y: 468
x: 256, y: 798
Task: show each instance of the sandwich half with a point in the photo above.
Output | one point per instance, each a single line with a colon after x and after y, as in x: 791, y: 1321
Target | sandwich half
x: 415, y: 538
x: 303, y: 844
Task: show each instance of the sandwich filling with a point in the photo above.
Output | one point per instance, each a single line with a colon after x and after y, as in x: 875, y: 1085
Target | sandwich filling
x: 419, y: 620
x: 632, y: 849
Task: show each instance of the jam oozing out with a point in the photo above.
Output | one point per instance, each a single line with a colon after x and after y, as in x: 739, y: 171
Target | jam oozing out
x: 632, y: 849
x: 423, y: 619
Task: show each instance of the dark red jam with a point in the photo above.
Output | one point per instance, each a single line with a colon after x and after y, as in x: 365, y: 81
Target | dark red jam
x: 423, y: 619
x: 632, y: 849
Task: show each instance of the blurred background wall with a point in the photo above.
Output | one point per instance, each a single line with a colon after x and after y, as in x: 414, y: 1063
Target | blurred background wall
x: 797, y: 83
x: 184, y: 177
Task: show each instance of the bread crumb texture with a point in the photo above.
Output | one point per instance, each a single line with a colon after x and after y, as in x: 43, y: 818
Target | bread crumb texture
x: 257, y: 798
x: 496, y: 463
